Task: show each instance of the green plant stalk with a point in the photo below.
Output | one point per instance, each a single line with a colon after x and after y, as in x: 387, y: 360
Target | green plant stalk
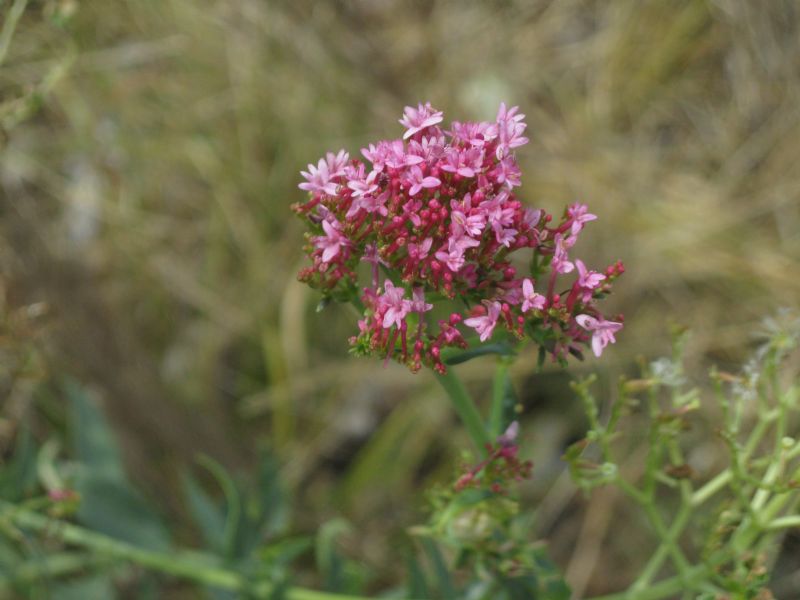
x: 283, y: 420
x: 675, y: 530
x: 712, y: 487
x: 678, y: 558
x: 53, y: 565
x: 663, y: 589
x: 466, y: 409
x: 660, y: 555
x: 500, y: 389
x: 12, y: 18
x: 750, y: 529
x: 179, y: 564
x: 781, y: 523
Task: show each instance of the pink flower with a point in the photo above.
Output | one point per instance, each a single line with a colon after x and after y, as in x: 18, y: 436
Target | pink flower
x: 395, y: 305
x: 429, y: 150
x: 333, y: 240
x: 475, y: 134
x: 336, y: 162
x: 588, y: 280
x: 417, y: 119
x: 508, y: 172
x: 530, y: 299
x: 418, y: 303
x: 454, y: 257
x: 503, y: 236
x: 391, y: 154
x: 510, y: 435
x: 602, y: 331
x: 363, y: 186
x: 372, y: 256
x: 485, y: 325
x: 419, y: 181
x: 420, y: 251
x: 371, y: 204
x: 510, y: 126
x: 319, y: 178
x: 531, y: 217
x: 580, y: 215
x: 561, y: 263
x: 464, y: 162
x: 376, y: 154
x: 463, y: 221
x: 498, y: 213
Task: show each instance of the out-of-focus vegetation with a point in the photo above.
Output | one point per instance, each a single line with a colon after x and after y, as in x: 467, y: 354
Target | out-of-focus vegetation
x: 148, y: 155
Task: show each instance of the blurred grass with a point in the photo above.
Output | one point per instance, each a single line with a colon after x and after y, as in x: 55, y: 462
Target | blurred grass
x: 150, y: 151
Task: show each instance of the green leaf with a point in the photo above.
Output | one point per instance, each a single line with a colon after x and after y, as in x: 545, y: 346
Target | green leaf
x: 118, y: 510
x: 93, y: 586
x: 18, y: 477
x: 285, y: 551
x: 272, y: 504
x: 205, y: 513
x: 95, y: 445
x: 417, y: 585
x: 444, y: 582
x: 109, y: 503
x: 233, y: 502
x: 329, y: 562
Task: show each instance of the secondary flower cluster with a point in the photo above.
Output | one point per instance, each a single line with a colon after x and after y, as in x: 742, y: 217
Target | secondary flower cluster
x: 501, y: 467
x: 436, y: 222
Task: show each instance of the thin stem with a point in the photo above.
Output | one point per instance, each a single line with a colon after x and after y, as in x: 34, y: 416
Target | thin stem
x: 10, y: 25
x: 662, y: 589
x: 188, y: 565
x: 465, y: 408
x: 53, y: 565
x: 675, y: 530
x: 711, y: 488
x: 678, y: 558
x: 659, y: 556
x: 787, y: 522
x: 501, y: 392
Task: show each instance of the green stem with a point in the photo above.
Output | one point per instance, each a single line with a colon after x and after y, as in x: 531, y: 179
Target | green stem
x: 10, y: 25
x: 502, y: 394
x: 663, y: 550
x: 188, y: 565
x: 465, y: 408
x: 672, y: 548
x: 53, y: 565
x: 780, y: 523
x: 712, y: 487
x: 663, y: 589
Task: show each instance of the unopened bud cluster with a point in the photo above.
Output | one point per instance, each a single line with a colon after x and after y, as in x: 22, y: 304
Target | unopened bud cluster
x: 501, y: 467
x: 435, y: 217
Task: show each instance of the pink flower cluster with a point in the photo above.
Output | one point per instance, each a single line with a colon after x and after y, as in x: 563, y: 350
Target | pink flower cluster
x: 435, y: 219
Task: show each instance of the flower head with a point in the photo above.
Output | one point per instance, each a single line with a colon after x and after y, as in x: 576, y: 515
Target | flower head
x: 437, y: 211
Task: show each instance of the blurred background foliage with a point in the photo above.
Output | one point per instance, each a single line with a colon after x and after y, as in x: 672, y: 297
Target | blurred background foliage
x: 149, y: 151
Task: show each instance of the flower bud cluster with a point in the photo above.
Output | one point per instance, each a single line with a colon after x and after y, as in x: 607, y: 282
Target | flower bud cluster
x: 501, y: 467
x: 433, y: 225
